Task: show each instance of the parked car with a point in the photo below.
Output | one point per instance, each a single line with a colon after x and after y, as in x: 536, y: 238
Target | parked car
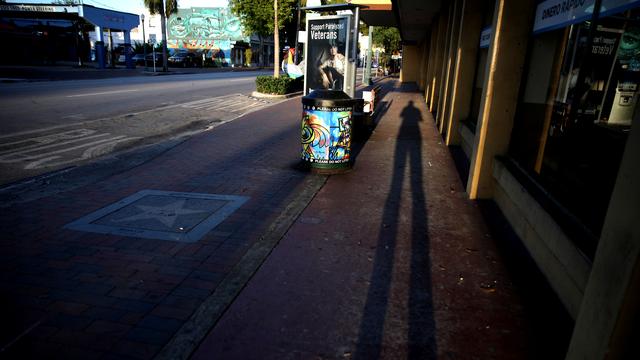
x: 138, y: 59
x: 158, y: 59
x: 182, y: 59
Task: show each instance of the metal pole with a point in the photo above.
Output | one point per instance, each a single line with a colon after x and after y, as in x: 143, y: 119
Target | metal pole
x: 367, y: 70
x: 144, y: 43
x: 297, y: 31
x: 110, y: 49
x: 354, y: 54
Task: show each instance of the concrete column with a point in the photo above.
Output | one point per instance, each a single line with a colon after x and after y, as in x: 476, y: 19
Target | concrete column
x: 452, y: 51
x: 99, y: 47
x: 423, y: 63
x: 410, y: 63
x: 128, y: 51
x: 437, y: 66
x: 442, y: 72
x: 428, y: 91
x: 512, y: 23
x: 111, y: 56
x: 464, y: 70
x: 608, y: 325
x: 367, y: 69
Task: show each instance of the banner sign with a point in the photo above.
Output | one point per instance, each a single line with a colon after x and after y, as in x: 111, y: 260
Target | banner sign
x: 326, y: 63
x: 555, y: 14
x: 39, y: 8
x: 485, y: 37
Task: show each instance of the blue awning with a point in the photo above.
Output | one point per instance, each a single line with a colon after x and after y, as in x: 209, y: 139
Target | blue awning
x: 104, y: 18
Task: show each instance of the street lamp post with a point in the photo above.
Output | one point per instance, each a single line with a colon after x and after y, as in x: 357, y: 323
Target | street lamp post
x: 295, y: 54
x: 144, y: 43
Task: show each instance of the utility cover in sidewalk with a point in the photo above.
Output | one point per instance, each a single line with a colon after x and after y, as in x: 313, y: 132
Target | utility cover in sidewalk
x: 162, y: 215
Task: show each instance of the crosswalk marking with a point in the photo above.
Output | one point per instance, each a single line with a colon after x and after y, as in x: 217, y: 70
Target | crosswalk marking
x: 70, y: 146
x: 41, y: 151
x: 19, y: 152
x: 234, y: 103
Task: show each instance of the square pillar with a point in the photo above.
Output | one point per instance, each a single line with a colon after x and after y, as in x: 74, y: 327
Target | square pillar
x: 410, y: 64
x: 128, y: 50
x: 437, y: 64
x: 99, y: 47
x: 452, y: 51
x: 512, y: 23
x: 442, y: 71
x: 424, y: 62
x: 428, y: 91
x: 608, y: 322
x: 464, y: 69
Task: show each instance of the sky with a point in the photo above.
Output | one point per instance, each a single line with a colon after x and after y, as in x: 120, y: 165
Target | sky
x: 132, y: 6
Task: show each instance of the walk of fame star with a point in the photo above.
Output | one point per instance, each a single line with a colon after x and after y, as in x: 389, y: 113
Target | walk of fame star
x: 166, y: 214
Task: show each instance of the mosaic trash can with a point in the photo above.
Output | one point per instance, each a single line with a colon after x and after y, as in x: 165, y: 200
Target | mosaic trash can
x: 327, y: 130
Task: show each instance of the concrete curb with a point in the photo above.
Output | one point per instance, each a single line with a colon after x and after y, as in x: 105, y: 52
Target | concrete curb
x: 186, y: 341
x: 275, y: 97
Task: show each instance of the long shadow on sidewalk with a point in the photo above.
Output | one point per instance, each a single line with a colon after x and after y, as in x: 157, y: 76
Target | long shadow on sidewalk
x: 421, y: 331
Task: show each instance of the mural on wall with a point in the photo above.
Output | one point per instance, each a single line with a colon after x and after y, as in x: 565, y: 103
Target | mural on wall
x: 326, y: 135
x: 204, y: 29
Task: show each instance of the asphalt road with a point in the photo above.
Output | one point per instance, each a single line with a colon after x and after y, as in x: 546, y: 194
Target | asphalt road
x: 47, y: 126
x: 34, y: 105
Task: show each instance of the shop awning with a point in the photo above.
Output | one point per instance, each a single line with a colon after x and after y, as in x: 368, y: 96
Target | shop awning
x: 412, y: 17
x: 105, y: 18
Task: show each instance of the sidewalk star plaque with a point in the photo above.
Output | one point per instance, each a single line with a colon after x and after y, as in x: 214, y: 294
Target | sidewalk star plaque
x: 163, y: 215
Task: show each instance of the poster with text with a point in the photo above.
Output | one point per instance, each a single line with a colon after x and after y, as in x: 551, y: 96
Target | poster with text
x: 326, y: 61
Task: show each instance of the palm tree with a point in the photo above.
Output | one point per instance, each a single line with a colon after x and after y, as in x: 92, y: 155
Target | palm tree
x: 276, y: 41
x: 159, y: 7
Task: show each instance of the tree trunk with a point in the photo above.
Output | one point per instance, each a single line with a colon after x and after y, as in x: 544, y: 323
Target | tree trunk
x: 261, y: 53
x: 276, y: 41
x: 163, y: 28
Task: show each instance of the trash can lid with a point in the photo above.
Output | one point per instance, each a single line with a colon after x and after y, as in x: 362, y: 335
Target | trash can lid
x: 325, y: 94
x: 324, y: 97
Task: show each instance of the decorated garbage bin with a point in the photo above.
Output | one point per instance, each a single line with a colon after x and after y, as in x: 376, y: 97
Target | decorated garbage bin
x: 327, y: 130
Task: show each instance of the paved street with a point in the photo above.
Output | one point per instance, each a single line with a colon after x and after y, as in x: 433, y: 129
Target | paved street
x: 47, y: 126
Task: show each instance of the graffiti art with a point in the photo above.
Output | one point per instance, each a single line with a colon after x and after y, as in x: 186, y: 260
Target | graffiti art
x: 326, y: 135
x: 204, y: 28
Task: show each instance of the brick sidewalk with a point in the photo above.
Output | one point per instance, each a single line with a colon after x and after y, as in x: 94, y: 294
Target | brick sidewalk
x: 88, y: 295
x: 389, y: 261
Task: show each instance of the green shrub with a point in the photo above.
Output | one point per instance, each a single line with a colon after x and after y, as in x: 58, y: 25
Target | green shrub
x: 278, y: 86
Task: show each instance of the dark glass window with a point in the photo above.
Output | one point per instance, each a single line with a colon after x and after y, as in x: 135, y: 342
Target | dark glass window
x: 579, y: 93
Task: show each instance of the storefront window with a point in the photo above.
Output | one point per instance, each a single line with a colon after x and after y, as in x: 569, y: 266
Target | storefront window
x: 579, y: 94
x: 476, y: 94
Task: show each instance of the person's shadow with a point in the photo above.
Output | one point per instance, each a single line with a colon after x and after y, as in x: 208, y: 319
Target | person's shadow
x: 421, y: 328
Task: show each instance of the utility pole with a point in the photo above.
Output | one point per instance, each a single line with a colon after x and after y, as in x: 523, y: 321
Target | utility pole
x: 276, y: 41
x: 297, y: 31
x: 144, y: 43
x: 367, y: 70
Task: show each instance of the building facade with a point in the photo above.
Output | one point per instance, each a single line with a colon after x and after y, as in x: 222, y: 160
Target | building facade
x: 541, y: 98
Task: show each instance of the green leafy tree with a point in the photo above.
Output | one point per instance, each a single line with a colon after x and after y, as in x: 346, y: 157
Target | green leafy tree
x: 262, y: 18
x: 387, y: 38
x: 162, y: 8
